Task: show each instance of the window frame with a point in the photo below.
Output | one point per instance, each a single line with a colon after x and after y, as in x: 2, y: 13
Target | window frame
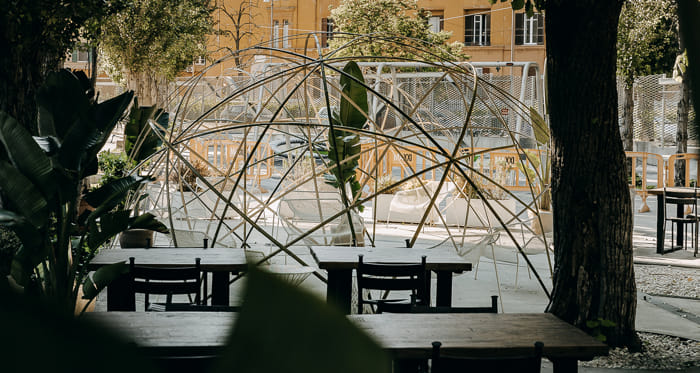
x: 477, y: 36
x: 529, y: 31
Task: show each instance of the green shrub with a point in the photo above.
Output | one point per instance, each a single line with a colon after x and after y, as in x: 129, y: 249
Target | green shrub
x: 114, y: 166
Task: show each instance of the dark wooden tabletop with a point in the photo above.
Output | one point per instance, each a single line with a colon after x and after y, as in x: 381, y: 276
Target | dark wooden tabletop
x: 212, y: 259
x: 341, y: 257
x: 403, y: 335
x: 479, y: 335
x: 658, y: 191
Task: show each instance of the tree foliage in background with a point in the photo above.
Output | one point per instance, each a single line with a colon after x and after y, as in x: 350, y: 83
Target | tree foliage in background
x: 647, y: 43
x: 385, y: 18
x: 34, y: 39
x: 238, y: 24
x: 148, y: 42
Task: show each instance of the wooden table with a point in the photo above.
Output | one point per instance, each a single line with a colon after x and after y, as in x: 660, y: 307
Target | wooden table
x: 409, y: 336
x: 339, y: 261
x: 404, y: 336
x: 661, y: 216
x: 220, y: 261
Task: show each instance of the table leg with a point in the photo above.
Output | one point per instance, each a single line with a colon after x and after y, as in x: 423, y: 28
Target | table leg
x: 660, y: 217
x: 443, y: 296
x: 339, y: 289
x: 565, y: 365
x: 120, y: 295
x: 680, y: 211
x: 220, y: 288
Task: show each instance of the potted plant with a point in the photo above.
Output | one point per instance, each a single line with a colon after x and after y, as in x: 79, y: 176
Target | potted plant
x: 344, y: 146
x: 466, y: 208
x: 41, y: 179
x: 387, y: 185
x: 536, y: 165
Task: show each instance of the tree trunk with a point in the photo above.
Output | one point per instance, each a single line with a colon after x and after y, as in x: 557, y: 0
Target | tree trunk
x: 682, y: 122
x: 21, y: 77
x: 628, y: 118
x: 149, y: 88
x: 594, y: 274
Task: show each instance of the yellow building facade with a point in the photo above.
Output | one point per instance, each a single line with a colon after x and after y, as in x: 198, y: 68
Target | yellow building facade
x: 491, y: 33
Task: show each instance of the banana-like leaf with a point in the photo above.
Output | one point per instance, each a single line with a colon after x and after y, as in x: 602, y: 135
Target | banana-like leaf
x: 294, y: 334
x: 147, y: 221
x: 24, y: 197
x: 108, y: 113
x: 26, y: 155
x: 350, y: 115
x: 539, y: 126
x: 138, y: 130
x: 105, y: 192
x: 62, y: 102
x: 110, y: 225
x: 98, y: 280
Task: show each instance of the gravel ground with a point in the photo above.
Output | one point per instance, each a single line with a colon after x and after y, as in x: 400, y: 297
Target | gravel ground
x: 661, y: 352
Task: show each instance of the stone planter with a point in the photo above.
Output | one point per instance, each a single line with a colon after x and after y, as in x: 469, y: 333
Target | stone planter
x: 382, y: 207
x: 480, y: 216
x: 547, y: 222
x: 136, y: 238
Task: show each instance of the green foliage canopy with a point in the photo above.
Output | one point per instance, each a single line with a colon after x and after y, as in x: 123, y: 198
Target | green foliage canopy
x: 160, y: 37
x: 647, y: 38
x: 386, y: 18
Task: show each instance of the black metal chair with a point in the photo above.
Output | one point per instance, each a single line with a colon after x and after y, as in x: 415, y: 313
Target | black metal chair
x: 416, y: 308
x: 682, y: 199
x: 166, y: 281
x: 389, y: 277
x: 527, y: 363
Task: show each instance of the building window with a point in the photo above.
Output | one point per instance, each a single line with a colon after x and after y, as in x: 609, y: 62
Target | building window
x: 327, y: 28
x: 276, y: 35
x: 436, y: 23
x: 285, y: 34
x: 80, y: 55
x: 200, y: 61
x: 477, y: 29
x: 529, y: 30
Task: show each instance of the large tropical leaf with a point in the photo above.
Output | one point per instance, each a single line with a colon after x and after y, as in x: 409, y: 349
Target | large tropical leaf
x: 110, y: 225
x: 107, y: 115
x: 148, y: 221
x: 110, y: 195
x: 539, y: 126
x: 61, y: 102
x: 354, y: 94
x: 296, y: 332
x: 24, y: 197
x: 26, y: 155
x: 98, y: 280
x: 139, y: 140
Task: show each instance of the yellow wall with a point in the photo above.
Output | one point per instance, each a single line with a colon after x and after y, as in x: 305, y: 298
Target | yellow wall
x: 306, y: 15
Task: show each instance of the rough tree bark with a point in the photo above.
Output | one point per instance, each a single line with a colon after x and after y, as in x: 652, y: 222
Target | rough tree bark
x: 628, y: 117
x: 148, y: 87
x: 593, y: 275
x: 682, y: 122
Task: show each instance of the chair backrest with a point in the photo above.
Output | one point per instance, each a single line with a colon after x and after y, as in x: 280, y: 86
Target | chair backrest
x: 680, y: 197
x: 391, y: 276
x: 417, y: 308
x: 527, y: 363
x: 165, y: 280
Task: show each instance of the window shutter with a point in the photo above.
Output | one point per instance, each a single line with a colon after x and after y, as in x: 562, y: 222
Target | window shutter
x: 540, y: 29
x: 324, y: 36
x: 487, y: 29
x: 468, y: 30
x: 74, y: 55
x: 519, y: 29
